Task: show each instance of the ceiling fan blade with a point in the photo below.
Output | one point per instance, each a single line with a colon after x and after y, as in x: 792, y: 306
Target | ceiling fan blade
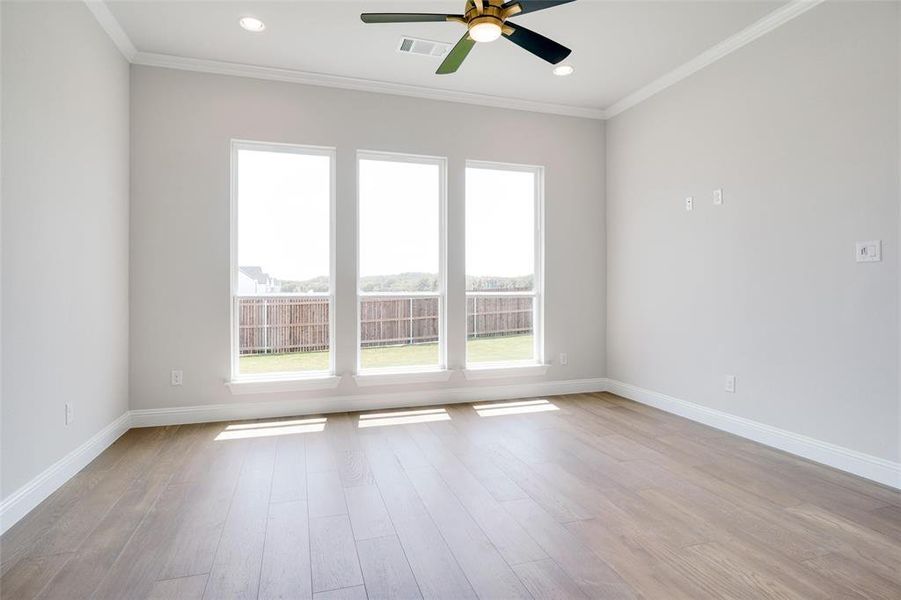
x: 457, y: 55
x: 527, y: 6
x: 537, y: 44
x: 404, y: 17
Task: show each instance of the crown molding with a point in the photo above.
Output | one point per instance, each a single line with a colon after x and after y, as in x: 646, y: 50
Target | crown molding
x: 117, y: 34
x: 775, y: 19
x: 744, y: 37
x: 113, y: 29
x: 217, y: 67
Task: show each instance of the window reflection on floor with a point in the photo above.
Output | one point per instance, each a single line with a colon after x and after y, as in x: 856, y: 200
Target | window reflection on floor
x: 403, y: 417
x: 514, y: 408
x: 272, y: 428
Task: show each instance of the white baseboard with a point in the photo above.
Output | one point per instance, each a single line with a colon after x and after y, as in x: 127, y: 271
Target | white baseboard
x: 870, y: 467
x: 23, y: 500
x: 26, y: 498
x: 208, y: 413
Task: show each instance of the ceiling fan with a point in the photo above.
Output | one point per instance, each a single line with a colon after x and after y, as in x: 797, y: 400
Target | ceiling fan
x: 486, y: 20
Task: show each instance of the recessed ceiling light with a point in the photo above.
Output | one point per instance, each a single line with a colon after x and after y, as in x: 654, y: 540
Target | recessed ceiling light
x: 252, y: 24
x: 563, y: 70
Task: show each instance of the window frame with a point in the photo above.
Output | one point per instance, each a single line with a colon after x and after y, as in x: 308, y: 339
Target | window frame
x: 327, y: 377
x: 537, y: 293
x: 375, y: 375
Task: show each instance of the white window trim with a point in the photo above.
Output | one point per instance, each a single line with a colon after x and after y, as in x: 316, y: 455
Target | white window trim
x: 372, y: 377
x: 413, y: 374
x: 285, y: 381
x: 274, y: 384
x: 508, y: 369
x: 536, y: 366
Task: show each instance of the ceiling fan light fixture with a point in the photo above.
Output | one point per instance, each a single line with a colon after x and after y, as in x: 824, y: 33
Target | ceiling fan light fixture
x: 486, y: 21
x: 484, y: 29
x: 563, y: 70
x: 252, y: 24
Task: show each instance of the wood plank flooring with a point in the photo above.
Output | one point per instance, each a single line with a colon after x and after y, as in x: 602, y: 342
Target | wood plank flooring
x: 581, y: 496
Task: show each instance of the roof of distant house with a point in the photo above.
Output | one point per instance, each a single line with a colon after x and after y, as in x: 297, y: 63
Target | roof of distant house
x: 256, y: 273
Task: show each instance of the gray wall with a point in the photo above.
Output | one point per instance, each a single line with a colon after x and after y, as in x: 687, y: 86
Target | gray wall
x: 181, y: 126
x: 801, y: 129
x: 65, y: 234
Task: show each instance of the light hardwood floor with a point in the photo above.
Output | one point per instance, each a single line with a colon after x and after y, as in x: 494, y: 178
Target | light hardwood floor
x: 600, y: 498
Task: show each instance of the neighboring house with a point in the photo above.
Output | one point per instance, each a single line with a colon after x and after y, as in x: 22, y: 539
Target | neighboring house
x: 253, y: 280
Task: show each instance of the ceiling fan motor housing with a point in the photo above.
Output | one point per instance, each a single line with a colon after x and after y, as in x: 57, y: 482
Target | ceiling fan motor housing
x: 488, y: 11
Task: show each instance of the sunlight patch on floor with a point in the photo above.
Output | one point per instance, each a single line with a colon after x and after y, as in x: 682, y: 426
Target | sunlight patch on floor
x: 404, y: 417
x: 276, y: 423
x: 516, y: 407
x: 240, y: 431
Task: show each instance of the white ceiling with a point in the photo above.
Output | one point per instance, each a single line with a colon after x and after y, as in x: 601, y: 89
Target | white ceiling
x: 618, y: 47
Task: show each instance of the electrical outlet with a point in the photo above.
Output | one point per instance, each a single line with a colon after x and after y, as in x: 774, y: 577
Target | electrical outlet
x: 689, y: 203
x: 563, y: 358
x: 730, y: 384
x: 717, y: 197
x: 177, y: 377
x: 70, y: 413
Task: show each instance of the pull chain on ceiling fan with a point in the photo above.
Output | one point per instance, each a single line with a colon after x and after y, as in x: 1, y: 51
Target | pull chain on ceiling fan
x: 486, y: 20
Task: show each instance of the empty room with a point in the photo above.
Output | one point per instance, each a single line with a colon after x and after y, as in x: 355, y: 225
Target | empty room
x: 450, y: 299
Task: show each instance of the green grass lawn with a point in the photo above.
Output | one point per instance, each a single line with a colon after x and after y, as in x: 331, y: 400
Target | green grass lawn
x: 514, y: 347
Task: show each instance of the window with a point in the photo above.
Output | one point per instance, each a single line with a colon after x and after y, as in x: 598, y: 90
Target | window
x: 282, y: 260
x: 503, y: 264
x: 401, y: 252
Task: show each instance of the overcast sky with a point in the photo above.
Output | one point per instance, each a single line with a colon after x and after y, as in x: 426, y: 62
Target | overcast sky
x: 283, y: 225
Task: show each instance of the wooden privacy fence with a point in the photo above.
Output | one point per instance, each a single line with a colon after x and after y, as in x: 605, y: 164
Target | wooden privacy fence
x: 274, y: 324
x: 490, y: 316
x: 396, y: 321
x: 278, y: 324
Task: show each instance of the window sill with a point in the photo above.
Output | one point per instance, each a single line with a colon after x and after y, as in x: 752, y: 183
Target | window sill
x: 496, y: 371
x: 369, y: 378
x: 295, y: 383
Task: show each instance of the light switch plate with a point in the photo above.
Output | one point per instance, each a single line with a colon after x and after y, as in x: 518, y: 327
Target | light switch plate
x: 869, y: 251
x: 689, y: 203
x: 718, y: 197
x: 729, y: 384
